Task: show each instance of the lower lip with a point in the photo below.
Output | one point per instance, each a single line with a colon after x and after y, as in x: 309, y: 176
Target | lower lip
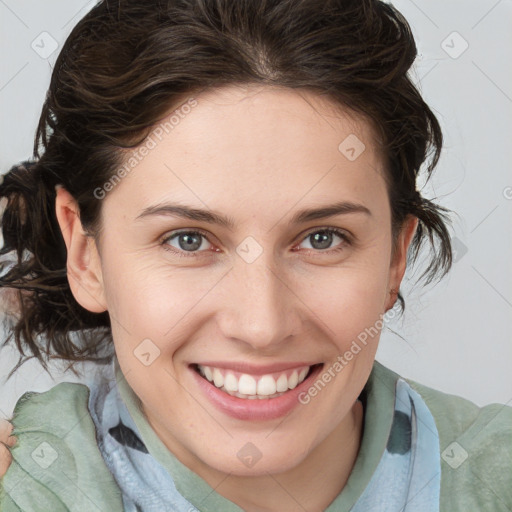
x: 257, y: 409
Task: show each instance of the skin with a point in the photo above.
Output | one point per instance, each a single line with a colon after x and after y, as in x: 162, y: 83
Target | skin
x: 257, y: 155
x: 6, y: 441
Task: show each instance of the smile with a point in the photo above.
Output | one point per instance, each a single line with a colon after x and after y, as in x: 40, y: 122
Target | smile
x: 253, y: 393
x: 244, y: 385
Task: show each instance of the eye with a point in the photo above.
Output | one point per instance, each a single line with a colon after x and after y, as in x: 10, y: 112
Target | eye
x: 321, y: 239
x: 186, y: 242
x: 189, y: 243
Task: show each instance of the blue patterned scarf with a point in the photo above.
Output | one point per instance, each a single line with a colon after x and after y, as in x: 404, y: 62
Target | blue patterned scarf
x: 407, y: 478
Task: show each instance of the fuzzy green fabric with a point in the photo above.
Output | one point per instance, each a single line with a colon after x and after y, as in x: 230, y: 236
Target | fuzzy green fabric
x: 57, y: 465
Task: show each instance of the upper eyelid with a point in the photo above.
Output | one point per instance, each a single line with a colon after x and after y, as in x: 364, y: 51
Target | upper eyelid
x: 339, y: 232
x: 174, y: 233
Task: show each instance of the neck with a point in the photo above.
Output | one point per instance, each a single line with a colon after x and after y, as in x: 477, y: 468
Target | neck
x: 312, y: 485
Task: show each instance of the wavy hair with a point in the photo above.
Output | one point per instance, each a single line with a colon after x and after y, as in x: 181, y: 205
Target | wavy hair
x: 127, y: 62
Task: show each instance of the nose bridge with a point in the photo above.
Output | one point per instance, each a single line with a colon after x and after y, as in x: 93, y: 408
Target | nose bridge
x: 260, y: 305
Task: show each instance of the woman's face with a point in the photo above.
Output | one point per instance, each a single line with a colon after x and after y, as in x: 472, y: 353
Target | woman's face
x: 215, y: 263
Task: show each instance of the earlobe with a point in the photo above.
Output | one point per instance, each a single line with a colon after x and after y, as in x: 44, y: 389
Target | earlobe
x: 83, y: 261
x: 399, y: 261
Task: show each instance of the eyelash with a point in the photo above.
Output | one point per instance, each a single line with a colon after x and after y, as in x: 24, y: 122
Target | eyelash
x: 188, y: 254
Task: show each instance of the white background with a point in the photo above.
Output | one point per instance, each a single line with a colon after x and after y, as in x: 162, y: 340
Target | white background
x: 456, y: 335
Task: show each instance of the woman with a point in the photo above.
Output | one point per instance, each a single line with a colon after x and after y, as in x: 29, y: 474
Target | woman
x: 219, y: 213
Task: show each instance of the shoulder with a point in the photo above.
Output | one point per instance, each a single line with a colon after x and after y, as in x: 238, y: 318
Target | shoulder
x: 476, y: 451
x: 56, y: 463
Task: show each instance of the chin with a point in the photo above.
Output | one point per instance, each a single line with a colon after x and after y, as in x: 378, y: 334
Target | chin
x: 244, y: 458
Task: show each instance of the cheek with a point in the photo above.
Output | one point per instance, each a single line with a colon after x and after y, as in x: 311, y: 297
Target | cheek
x: 151, y: 301
x: 349, y: 301
x: 157, y: 300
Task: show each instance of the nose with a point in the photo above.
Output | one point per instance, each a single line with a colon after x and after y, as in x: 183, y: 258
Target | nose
x: 260, y: 307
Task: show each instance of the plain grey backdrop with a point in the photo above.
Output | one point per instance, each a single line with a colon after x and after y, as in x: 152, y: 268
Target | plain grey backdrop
x: 455, y: 336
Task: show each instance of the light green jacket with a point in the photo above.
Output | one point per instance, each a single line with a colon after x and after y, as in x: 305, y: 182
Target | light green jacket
x: 78, y: 479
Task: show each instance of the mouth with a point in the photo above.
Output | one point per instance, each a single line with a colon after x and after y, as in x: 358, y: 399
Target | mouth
x: 254, y: 387
x: 250, y: 393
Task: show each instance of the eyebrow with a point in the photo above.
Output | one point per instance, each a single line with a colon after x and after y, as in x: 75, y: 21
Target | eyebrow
x: 211, y: 217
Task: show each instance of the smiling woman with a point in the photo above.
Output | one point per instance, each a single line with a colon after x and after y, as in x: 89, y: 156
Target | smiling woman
x: 219, y: 212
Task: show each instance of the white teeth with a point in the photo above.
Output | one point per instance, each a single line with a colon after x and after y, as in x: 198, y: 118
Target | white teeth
x: 249, y: 387
x: 266, y: 385
x: 230, y: 382
x: 293, y: 380
x: 218, y: 379
x: 207, y: 372
x: 282, y: 384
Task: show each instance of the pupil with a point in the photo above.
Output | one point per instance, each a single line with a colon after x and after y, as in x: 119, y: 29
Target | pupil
x: 326, y: 239
x: 189, y: 241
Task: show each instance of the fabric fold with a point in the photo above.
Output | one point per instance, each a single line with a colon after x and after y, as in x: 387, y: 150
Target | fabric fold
x: 411, y: 456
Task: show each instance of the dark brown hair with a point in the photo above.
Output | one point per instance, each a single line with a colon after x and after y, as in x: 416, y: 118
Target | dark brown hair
x: 127, y: 62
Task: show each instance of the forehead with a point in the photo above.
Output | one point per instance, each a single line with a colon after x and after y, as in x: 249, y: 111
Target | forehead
x: 271, y: 109
x: 270, y: 143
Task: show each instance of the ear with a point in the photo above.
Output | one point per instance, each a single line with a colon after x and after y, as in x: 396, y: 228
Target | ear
x: 399, y: 259
x: 83, y: 261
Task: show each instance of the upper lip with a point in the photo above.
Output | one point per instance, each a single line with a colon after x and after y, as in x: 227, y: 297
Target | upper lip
x: 253, y: 369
